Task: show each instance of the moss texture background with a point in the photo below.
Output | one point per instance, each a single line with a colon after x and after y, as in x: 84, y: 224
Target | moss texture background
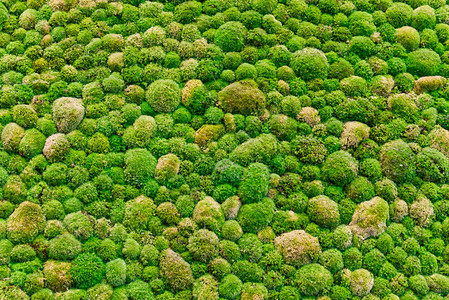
x: 224, y: 149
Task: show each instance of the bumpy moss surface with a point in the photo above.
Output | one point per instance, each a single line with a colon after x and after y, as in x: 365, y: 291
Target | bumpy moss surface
x: 224, y: 149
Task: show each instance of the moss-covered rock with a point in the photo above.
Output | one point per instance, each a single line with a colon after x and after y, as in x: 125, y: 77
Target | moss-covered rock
x: 353, y: 133
x: 408, y: 37
x: 56, y: 147
x: 370, y: 217
x: 398, y: 161
x: 25, y: 223
x: 11, y: 136
x: 429, y: 83
x: 340, y: 168
x: 67, y: 113
x: 164, y: 95
x: 432, y: 165
x: 57, y: 275
x: 32, y: 143
x: 313, y: 280
x: 260, y: 149
x: 323, y: 211
x: 138, y: 212
x: 175, y: 271
x: 242, y: 97
x: 439, y: 139
x: 422, y: 211
x: 208, y: 133
x: 361, y: 282
x: 208, y: 213
x: 167, y: 167
x: 298, y: 247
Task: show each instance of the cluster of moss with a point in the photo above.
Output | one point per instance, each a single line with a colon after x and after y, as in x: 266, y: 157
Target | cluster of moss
x: 224, y: 149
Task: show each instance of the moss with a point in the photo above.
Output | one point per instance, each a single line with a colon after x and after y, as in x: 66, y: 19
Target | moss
x: 340, y: 168
x: 206, y: 287
x: 57, y: 275
x: 439, y: 139
x: 230, y: 287
x: 403, y: 105
x: 208, y: 133
x: 231, y: 207
x: 79, y: 225
x: 87, y: 270
x: 230, y: 36
x: 429, y: 83
x: 24, y: 115
x: 432, y: 165
x: 242, y: 97
x: 208, y: 213
x: 310, y: 63
x: 32, y: 143
x: 253, y: 291
x: 438, y: 283
x: 64, y: 247
x: 423, y: 62
x: 14, y: 190
x: 167, y: 167
x: 25, y: 223
x: 67, y: 113
x: 309, y: 115
x: 353, y: 133
x: 361, y: 282
x: 354, y: 86
x: 283, y: 127
x: 260, y: 149
x: 139, y: 166
x: 408, y: 37
x: 313, y: 280
x: 138, y: 212
x: 323, y: 211
x: 298, y: 247
x: 360, y: 189
x: 254, y: 183
x: 11, y: 136
x: 398, y: 161
x: 370, y: 217
x: 175, y: 271
x: 422, y: 211
x: 163, y: 95
x: 382, y: 85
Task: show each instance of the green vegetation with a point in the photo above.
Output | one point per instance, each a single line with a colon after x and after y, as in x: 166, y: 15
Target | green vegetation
x: 224, y: 150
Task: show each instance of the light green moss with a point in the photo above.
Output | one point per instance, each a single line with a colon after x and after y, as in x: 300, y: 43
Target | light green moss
x: 298, y: 247
x: 370, y: 217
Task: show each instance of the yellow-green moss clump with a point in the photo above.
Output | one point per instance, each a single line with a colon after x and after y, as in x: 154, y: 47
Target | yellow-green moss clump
x: 67, y: 113
x: 57, y: 275
x: 361, y: 281
x: 137, y: 213
x: 408, y: 37
x: 209, y: 214
x: 353, y: 133
x: 56, y: 147
x: 429, y: 83
x: 11, y: 136
x: 163, y: 95
x: 370, y: 217
x: 25, y: 223
x: 398, y: 161
x: 167, y: 167
x: 298, y: 247
x: 259, y: 149
x: 242, y: 97
x: 323, y: 211
x: 175, y: 271
x: 422, y: 211
x: 439, y: 139
x: 208, y: 133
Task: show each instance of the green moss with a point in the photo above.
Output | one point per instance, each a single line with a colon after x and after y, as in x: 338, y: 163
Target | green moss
x: 206, y: 287
x: 79, y: 225
x: 25, y: 223
x: 361, y: 282
x: 432, y: 165
x: 163, y: 95
x: 208, y: 133
x: 340, y: 168
x: 87, y: 270
x: 57, y: 275
x: 408, y: 37
x: 138, y: 212
x: 260, y: 149
x: 423, y: 62
x: 139, y: 166
x: 67, y: 113
x: 298, y: 247
x: 369, y: 218
x: 11, y: 136
x: 310, y: 63
x: 64, y: 247
x: 175, y: 271
x: 313, y: 280
x: 242, y: 97
x: 24, y: 115
x: 397, y: 161
x: 230, y: 36
x: 323, y: 211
